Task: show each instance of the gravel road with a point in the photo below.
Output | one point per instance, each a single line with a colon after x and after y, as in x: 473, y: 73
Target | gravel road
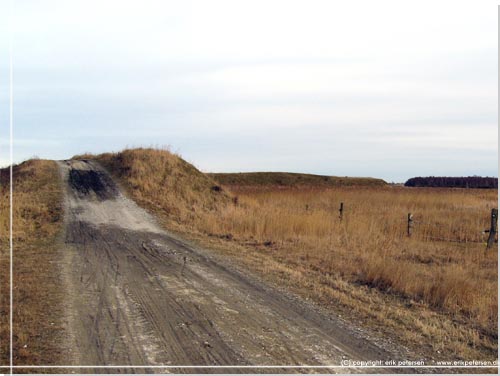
x: 139, y: 296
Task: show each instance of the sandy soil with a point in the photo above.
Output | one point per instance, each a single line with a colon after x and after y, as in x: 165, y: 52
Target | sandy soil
x: 138, y: 296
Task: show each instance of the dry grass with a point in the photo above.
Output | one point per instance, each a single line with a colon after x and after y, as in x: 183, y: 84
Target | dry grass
x: 434, y: 295
x: 37, y: 289
x: 370, y: 245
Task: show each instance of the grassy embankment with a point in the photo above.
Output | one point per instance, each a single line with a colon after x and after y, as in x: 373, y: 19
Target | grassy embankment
x: 37, y: 295
x: 283, y: 180
x: 435, y: 296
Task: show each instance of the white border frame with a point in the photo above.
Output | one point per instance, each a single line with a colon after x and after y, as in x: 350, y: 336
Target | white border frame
x: 11, y: 365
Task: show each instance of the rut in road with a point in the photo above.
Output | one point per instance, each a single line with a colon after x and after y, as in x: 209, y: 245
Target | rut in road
x: 139, y: 296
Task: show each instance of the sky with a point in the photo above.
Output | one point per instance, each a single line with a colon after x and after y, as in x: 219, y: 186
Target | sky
x: 388, y: 89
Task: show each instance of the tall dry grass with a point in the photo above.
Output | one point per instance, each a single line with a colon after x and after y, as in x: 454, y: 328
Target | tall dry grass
x: 38, y: 297
x: 370, y: 244
x: 448, y: 289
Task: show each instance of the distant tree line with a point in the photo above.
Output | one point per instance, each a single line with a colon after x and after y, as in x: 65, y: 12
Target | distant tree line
x: 453, y: 182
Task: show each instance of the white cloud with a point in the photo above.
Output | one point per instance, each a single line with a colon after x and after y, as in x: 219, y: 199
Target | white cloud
x: 415, y: 75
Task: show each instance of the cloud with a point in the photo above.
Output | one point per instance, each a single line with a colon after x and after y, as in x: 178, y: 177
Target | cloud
x: 386, y: 89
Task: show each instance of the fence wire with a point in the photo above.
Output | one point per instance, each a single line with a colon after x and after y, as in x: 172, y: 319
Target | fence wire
x: 429, y: 225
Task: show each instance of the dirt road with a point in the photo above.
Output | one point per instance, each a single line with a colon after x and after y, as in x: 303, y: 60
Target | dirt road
x: 139, y: 296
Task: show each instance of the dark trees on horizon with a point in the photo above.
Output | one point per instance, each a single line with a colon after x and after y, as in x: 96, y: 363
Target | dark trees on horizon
x: 453, y: 182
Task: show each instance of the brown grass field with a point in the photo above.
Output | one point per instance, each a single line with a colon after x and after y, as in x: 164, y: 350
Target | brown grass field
x: 38, y: 296
x: 434, y: 295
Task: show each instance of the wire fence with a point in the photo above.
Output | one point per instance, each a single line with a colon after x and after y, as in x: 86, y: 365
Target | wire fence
x: 426, y: 231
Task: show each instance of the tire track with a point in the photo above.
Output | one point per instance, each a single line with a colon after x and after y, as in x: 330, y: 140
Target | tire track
x: 141, y: 297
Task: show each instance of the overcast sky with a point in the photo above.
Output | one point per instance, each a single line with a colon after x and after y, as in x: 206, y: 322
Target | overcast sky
x: 389, y: 89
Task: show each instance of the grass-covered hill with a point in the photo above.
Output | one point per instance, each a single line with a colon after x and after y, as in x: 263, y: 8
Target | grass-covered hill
x: 164, y: 182
x: 288, y: 179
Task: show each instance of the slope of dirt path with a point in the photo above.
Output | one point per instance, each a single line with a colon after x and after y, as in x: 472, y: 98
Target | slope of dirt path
x: 141, y: 297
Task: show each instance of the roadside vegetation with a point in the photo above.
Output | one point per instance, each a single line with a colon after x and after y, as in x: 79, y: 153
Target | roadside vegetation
x: 37, y: 218
x: 435, y: 291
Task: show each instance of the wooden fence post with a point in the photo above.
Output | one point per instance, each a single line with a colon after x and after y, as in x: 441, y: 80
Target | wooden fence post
x: 410, y: 224
x: 493, y: 228
x: 341, y: 211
